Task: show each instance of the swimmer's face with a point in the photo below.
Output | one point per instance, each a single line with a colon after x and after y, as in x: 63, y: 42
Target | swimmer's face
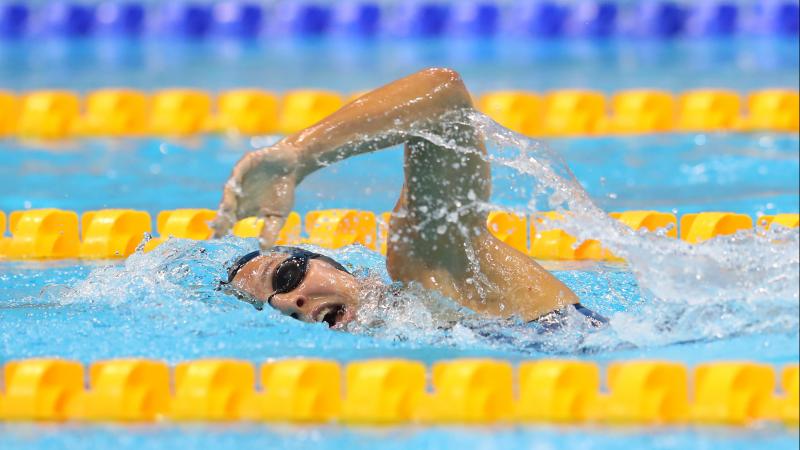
x: 325, y: 293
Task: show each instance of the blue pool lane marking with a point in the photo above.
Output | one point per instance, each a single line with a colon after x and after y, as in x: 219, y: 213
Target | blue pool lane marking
x: 659, y: 19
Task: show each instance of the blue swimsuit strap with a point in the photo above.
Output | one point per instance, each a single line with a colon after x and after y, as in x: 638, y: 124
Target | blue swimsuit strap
x: 591, y: 315
x: 552, y: 320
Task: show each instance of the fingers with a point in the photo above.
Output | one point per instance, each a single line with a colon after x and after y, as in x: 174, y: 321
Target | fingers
x: 271, y: 231
x: 261, y: 185
x: 227, y: 211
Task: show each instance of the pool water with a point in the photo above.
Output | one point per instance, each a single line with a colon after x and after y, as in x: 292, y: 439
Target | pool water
x: 734, y: 297
x: 737, y: 63
x: 753, y: 173
x: 324, y: 438
x: 164, y: 305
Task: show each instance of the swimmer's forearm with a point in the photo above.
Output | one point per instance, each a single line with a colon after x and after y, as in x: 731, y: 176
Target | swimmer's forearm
x: 378, y: 119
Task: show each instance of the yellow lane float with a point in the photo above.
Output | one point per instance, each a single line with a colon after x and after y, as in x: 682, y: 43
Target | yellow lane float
x: 298, y: 390
x: 395, y: 391
x: 642, y: 111
x: 115, y: 112
x: 471, y: 391
x: 126, y: 390
x: 516, y: 110
x: 703, y: 226
x: 574, y: 112
x: 41, y: 389
x: 303, y: 108
x: 773, y: 109
x: 784, y: 220
x: 708, y: 110
x: 9, y: 110
x: 247, y: 111
x: 112, y: 233
x: 646, y: 392
x: 509, y: 228
x: 49, y: 115
x: 557, y: 391
x: 212, y: 390
x: 184, y: 224
x: 59, y: 114
x: 733, y: 392
x: 180, y: 112
x: 336, y: 228
x: 251, y: 227
x: 43, y: 234
x: 383, y: 391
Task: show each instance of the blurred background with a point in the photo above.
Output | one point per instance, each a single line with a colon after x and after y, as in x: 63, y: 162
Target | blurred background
x: 355, y: 45
x: 329, y: 51
x: 676, y: 106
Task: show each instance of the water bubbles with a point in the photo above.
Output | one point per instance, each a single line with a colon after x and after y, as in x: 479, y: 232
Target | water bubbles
x: 700, y: 140
x: 766, y: 141
x: 165, y: 304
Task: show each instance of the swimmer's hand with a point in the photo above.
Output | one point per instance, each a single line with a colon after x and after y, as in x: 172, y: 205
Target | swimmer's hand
x: 261, y: 185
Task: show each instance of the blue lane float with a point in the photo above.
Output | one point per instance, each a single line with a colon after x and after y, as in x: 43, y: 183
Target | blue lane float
x: 356, y: 18
x: 474, y: 18
x: 120, y: 18
x: 67, y: 19
x: 662, y: 19
x: 13, y: 19
x: 779, y: 17
x: 184, y: 19
x: 300, y: 19
x: 251, y: 19
x: 544, y: 19
x: 713, y: 18
x: 418, y: 19
x: 237, y: 19
x: 593, y: 19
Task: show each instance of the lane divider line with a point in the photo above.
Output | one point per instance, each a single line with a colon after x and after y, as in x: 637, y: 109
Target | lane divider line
x: 396, y: 391
x: 119, y: 113
x: 116, y: 233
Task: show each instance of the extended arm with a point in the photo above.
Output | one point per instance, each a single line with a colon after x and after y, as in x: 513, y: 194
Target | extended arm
x: 438, y: 234
x: 262, y: 183
x: 379, y: 119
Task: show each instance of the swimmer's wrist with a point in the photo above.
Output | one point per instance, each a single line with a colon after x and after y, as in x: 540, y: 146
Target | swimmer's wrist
x: 307, y: 161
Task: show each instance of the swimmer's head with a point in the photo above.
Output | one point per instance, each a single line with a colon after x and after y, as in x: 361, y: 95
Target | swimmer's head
x: 299, y: 283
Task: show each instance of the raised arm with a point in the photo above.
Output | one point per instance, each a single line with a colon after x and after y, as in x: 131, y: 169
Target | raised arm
x: 262, y: 183
x: 438, y: 236
x: 381, y: 118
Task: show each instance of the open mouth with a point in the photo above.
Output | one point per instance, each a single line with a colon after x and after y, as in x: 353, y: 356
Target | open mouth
x: 333, y: 314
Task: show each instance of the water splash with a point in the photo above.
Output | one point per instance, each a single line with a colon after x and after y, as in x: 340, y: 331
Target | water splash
x: 745, y: 283
x: 671, y: 291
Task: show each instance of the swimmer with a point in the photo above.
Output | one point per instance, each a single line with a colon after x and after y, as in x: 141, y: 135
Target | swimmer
x: 458, y: 258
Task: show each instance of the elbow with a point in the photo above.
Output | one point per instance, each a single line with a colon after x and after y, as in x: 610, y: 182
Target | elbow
x: 442, y: 75
x: 449, y: 83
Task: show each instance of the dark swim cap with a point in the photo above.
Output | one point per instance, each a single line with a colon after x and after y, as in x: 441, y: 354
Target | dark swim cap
x: 291, y: 251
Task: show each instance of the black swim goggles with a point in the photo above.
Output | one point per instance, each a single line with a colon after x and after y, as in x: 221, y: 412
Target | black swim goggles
x: 286, y: 277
